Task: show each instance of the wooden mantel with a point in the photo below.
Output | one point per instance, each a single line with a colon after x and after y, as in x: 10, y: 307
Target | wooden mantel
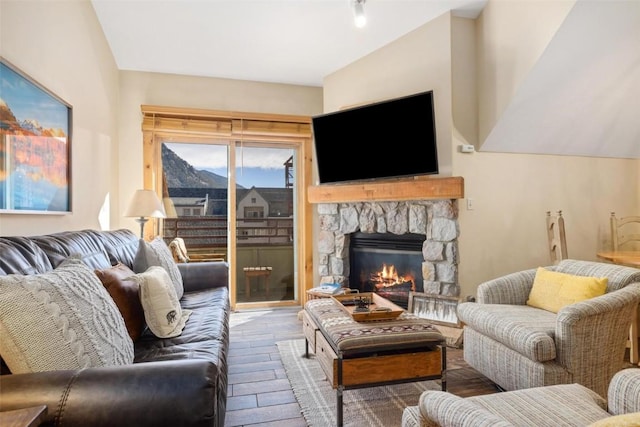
x: 418, y: 188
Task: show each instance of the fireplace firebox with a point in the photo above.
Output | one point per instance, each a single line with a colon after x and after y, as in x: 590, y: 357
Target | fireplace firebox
x: 387, y: 264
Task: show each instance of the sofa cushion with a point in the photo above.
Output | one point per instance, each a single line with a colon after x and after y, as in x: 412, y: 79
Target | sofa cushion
x: 439, y: 408
x: 121, y: 245
x: 83, y: 244
x: 125, y: 292
x: 63, y: 319
x: 157, y: 253
x: 556, y: 405
x: 526, y: 330
x: 22, y: 256
x: 552, y: 290
x: 162, y: 311
x: 205, y: 335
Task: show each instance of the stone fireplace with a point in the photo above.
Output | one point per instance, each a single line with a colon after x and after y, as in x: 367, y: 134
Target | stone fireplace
x: 436, y: 220
x: 422, y: 206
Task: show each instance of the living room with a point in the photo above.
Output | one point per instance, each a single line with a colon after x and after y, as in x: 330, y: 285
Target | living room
x: 475, y: 67
x: 511, y: 191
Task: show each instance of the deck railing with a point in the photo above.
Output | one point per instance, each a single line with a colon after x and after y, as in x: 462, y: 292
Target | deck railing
x: 209, y: 233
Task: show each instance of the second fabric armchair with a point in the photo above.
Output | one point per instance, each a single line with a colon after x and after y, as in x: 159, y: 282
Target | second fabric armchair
x: 519, y: 346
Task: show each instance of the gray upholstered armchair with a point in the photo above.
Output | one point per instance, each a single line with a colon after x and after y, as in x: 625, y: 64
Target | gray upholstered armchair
x: 518, y: 346
x: 557, y: 405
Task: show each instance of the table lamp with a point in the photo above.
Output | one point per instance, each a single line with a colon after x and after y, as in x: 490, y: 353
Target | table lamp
x: 145, y: 204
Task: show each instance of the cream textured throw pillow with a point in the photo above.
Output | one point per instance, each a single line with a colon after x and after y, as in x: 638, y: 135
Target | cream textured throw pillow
x: 63, y: 319
x: 162, y: 309
x: 158, y: 253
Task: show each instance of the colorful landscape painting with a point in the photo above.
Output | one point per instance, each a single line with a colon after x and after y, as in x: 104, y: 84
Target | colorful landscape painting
x: 34, y: 146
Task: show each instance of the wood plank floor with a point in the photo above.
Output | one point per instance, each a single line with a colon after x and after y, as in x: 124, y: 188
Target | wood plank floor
x: 259, y: 392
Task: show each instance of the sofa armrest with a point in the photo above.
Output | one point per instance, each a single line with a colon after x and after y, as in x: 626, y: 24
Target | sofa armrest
x: 624, y: 392
x: 204, y: 275
x: 447, y: 409
x: 512, y: 289
x: 181, y: 392
x: 594, y: 330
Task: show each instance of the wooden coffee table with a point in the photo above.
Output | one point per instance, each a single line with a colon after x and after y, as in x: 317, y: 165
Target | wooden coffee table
x: 369, y: 354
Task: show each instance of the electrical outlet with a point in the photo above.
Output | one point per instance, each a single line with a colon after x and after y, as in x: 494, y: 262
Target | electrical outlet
x: 470, y: 204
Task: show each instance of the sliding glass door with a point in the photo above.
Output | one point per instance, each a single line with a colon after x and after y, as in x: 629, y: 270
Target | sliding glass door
x: 265, y: 217
x: 234, y: 186
x: 251, y: 227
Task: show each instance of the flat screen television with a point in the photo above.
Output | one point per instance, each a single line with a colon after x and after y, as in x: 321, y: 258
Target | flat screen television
x: 388, y: 139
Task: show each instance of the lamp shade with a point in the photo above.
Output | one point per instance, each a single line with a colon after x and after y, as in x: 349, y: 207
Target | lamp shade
x: 145, y: 203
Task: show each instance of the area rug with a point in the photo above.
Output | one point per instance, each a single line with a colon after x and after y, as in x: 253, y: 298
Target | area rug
x: 373, y: 406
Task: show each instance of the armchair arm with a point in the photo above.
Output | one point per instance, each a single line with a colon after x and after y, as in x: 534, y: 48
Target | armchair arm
x: 204, y: 275
x: 596, y: 330
x: 624, y: 392
x: 512, y: 289
x: 181, y: 392
x: 447, y: 409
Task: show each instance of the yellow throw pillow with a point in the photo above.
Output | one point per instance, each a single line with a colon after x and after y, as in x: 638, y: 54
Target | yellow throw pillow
x: 552, y: 290
x: 624, y: 420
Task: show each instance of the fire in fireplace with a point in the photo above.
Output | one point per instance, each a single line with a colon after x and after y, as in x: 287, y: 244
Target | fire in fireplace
x: 387, y: 264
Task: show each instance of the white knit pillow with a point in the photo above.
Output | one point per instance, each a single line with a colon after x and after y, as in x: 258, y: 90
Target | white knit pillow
x: 63, y: 319
x: 158, y: 253
x: 162, y: 311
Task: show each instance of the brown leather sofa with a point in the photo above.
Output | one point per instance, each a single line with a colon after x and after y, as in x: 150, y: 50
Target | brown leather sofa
x: 180, y: 381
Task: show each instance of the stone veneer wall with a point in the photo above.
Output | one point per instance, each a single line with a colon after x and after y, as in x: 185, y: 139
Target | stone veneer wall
x: 436, y: 219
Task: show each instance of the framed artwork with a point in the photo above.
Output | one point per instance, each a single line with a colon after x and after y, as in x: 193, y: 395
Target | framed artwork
x: 439, y: 309
x: 35, y: 146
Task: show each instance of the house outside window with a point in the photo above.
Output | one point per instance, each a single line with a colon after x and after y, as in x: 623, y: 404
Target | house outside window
x: 254, y: 212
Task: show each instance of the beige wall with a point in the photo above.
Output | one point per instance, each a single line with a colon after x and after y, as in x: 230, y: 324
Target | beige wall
x: 464, y: 92
x: 506, y: 230
x: 138, y: 89
x: 512, y: 36
x: 419, y: 61
x: 60, y: 45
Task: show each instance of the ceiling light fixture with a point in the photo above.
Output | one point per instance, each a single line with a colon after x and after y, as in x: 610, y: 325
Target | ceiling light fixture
x: 358, y: 13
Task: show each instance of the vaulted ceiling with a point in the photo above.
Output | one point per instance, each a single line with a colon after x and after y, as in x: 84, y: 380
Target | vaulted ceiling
x: 281, y: 41
x: 581, y: 98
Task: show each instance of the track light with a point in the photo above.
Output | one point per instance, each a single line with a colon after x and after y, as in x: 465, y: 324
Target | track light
x: 358, y: 13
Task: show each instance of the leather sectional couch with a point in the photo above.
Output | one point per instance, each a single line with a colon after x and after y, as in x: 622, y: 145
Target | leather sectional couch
x: 179, y: 381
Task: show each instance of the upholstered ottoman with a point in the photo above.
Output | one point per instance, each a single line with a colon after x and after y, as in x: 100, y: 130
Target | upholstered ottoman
x: 367, y: 354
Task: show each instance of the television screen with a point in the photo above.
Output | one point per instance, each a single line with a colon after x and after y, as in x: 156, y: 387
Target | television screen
x: 388, y: 139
